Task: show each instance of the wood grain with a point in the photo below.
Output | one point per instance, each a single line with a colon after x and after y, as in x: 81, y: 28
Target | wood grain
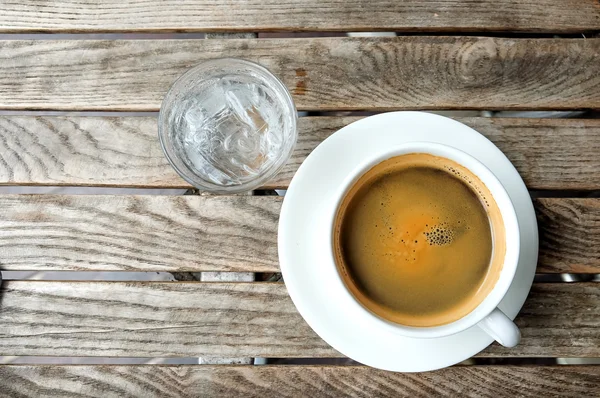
x: 569, y: 235
x: 568, y: 329
x: 125, y: 152
x: 158, y: 319
x: 297, y: 381
x: 255, y: 15
x: 199, y: 233
x: 91, y: 151
x: 153, y: 320
x: 138, y: 233
x: 324, y: 73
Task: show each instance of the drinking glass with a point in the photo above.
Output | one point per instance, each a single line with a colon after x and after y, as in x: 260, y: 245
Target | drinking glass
x: 228, y: 125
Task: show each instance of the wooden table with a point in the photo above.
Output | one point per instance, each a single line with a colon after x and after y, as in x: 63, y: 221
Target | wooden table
x: 476, y: 55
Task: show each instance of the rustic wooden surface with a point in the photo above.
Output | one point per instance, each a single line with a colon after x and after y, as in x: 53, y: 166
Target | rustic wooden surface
x: 265, y: 15
x: 93, y: 151
x: 415, y: 72
x: 199, y: 233
x: 297, y: 381
x: 139, y: 233
x: 124, y: 151
x: 163, y: 319
x: 569, y: 235
x: 223, y: 319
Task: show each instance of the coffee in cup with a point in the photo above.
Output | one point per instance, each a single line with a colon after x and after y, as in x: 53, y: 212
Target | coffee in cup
x: 419, y: 240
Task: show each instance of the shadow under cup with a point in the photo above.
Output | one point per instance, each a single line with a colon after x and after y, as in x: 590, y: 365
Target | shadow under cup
x: 410, y: 261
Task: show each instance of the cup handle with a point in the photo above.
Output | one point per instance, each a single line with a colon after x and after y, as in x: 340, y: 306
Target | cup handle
x: 501, y: 328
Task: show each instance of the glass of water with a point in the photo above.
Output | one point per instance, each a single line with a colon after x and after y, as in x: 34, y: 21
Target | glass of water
x: 228, y: 125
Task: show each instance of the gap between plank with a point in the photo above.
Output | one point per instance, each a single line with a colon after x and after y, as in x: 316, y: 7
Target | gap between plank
x: 61, y: 360
x: 125, y: 276
x: 526, y: 113
x: 95, y: 190
x: 289, y: 34
x: 261, y: 277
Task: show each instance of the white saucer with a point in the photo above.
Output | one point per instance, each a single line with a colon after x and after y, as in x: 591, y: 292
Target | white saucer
x: 301, y: 231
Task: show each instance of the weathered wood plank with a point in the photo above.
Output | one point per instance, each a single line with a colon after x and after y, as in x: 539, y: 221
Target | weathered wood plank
x: 124, y: 151
x: 92, y: 151
x: 138, y: 233
x: 238, y: 319
x: 199, y: 233
x: 569, y: 235
x: 153, y: 319
x: 296, y: 381
x: 255, y: 15
x: 573, y: 320
x: 327, y: 74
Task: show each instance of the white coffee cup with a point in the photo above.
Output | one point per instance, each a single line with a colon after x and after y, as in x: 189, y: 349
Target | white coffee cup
x: 486, y: 315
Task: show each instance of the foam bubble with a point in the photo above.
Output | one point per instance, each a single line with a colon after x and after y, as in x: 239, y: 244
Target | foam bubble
x: 440, y: 235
